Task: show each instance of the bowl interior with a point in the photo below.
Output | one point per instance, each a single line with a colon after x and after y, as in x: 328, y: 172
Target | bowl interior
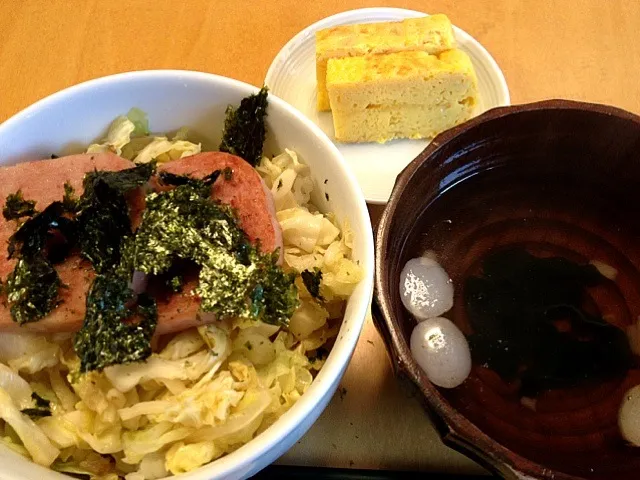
x: 557, y: 179
x: 68, y: 121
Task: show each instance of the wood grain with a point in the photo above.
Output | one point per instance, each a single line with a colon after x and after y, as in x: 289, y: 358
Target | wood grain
x: 577, y: 49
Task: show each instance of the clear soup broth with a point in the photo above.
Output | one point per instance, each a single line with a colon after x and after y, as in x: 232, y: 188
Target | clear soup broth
x: 559, y: 392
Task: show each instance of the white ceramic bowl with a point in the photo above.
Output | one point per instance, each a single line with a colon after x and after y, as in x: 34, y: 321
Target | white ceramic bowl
x: 73, y: 118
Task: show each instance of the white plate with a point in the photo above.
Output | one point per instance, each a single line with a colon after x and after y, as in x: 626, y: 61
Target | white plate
x: 292, y: 77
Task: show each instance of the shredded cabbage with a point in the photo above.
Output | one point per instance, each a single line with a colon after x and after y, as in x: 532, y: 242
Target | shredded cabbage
x: 182, y: 458
x: 28, y: 353
x: 118, y: 135
x: 34, y: 440
x: 207, y: 390
x: 127, y: 376
x: 151, y: 466
x: 17, y: 387
x: 128, y: 137
x: 164, y: 150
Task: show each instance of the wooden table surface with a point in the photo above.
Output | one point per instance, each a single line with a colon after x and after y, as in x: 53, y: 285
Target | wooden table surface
x: 577, y: 49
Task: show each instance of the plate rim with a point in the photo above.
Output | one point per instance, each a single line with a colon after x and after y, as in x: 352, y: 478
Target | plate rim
x: 343, y: 18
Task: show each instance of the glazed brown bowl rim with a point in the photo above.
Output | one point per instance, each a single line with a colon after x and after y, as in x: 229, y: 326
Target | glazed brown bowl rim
x: 455, y: 429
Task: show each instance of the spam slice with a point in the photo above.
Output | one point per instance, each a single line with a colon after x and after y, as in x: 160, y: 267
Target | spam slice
x: 431, y: 34
x: 244, y: 191
x: 400, y: 95
x: 43, y: 181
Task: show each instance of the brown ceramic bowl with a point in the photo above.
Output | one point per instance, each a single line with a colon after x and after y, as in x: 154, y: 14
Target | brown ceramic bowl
x: 581, y: 163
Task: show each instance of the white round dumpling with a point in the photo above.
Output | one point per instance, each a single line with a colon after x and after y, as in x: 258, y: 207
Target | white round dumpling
x: 629, y: 416
x: 442, y: 351
x: 425, y: 288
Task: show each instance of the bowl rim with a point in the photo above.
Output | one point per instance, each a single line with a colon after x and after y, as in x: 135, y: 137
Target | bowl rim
x: 244, y: 461
x: 495, y: 113
x: 455, y: 429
